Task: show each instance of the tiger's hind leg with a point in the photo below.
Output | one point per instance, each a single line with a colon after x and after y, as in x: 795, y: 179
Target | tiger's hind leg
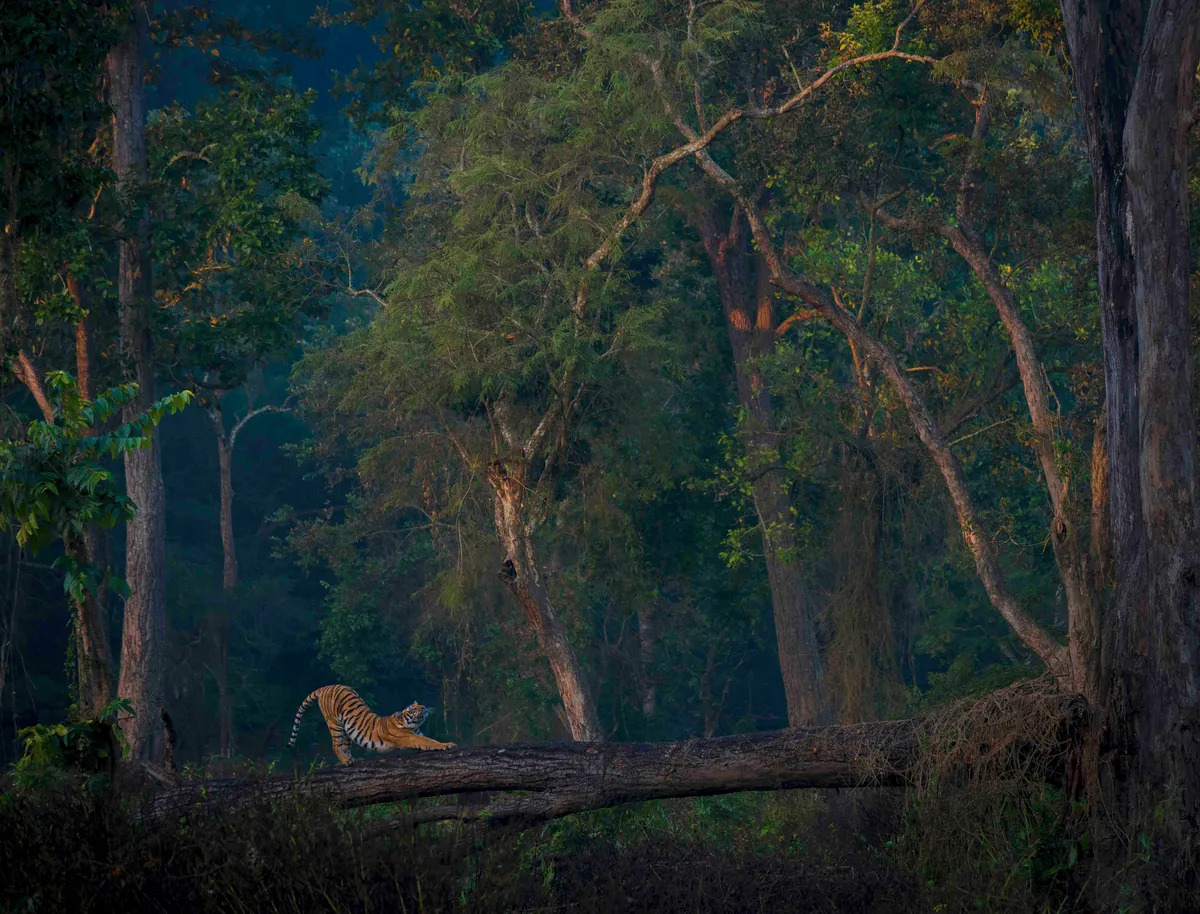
x: 341, y: 745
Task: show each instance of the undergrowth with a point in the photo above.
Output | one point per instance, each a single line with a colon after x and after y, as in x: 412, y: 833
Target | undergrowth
x: 73, y: 846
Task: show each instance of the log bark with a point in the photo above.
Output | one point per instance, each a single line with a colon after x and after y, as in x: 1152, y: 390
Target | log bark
x: 145, y: 622
x: 750, y: 320
x: 572, y: 777
x: 564, y: 778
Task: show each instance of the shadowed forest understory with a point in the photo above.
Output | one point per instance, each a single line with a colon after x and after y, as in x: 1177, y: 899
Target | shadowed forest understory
x: 754, y: 441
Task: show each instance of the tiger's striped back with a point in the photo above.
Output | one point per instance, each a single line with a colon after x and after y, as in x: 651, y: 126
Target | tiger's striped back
x: 349, y: 718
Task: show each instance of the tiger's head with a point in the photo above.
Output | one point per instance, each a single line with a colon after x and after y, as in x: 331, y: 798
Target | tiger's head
x: 412, y: 717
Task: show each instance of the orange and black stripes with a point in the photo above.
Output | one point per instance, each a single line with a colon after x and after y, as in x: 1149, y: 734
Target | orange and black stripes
x: 351, y: 721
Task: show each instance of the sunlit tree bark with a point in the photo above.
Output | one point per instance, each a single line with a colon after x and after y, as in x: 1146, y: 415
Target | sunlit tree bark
x: 145, y: 619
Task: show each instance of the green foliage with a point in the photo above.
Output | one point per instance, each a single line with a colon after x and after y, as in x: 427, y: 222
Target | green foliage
x: 421, y: 44
x: 82, y: 745
x: 51, y: 105
x: 53, y: 484
x: 234, y: 176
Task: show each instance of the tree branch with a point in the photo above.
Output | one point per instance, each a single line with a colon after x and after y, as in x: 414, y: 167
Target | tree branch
x: 699, y: 142
x: 27, y: 374
x: 1036, y: 638
x: 271, y: 408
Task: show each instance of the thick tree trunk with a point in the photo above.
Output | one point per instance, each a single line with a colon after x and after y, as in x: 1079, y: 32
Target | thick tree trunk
x: 525, y: 579
x: 750, y: 319
x: 569, y: 778
x: 144, y: 629
x: 1134, y: 70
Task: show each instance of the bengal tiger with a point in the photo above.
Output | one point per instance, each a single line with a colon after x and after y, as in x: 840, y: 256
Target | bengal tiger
x: 350, y: 720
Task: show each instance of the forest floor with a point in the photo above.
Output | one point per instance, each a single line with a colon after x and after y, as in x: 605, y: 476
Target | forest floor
x: 67, y: 847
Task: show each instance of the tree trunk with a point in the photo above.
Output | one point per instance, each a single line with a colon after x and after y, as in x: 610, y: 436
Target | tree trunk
x: 219, y: 631
x: 570, y: 778
x: 95, y: 540
x: 229, y: 575
x: 1134, y: 67
x: 93, y: 654
x: 218, y: 620
x: 144, y: 629
x: 1031, y: 633
x: 229, y: 580
x: 525, y: 579
x: 750, y: 320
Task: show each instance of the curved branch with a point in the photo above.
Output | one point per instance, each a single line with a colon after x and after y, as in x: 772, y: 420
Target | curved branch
x: 1036, y: 638
x: 698, y: 142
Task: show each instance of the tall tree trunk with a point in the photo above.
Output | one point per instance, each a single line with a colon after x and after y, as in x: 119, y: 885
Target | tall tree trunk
x: 95, y: 541
x: 1134, y: 67
x: 144, y: 629
x: 93, y: 653
x: 219, y: 618
x: 525, y: 579
x: 750, y: 319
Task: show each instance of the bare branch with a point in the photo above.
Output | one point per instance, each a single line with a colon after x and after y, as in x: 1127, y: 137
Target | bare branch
x: 270, y: 408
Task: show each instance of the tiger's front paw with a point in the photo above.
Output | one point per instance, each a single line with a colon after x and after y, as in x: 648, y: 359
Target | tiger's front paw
x: 450, y: 746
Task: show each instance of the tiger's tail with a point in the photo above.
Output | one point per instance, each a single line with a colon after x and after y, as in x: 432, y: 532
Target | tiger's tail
x: 304, y: 706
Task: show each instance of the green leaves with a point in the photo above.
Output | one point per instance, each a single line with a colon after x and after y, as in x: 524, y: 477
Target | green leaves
x: 53, y: 484
x: 85, y: 745
x: 237, y: 182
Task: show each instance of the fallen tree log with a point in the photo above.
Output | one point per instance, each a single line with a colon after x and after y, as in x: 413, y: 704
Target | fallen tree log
x: 564, y: 778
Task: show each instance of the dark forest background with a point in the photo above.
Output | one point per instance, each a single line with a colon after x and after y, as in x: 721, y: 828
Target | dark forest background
x: 340, y: 581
